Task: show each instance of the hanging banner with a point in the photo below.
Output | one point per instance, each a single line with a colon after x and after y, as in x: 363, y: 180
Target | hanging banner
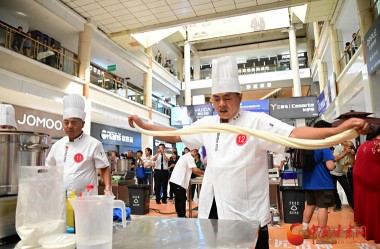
x: 372, y: 47
x: 186, y: 115
x: 255, y: 106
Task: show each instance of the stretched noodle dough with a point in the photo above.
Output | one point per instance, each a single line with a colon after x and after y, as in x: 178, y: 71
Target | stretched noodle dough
x: 310, y: 144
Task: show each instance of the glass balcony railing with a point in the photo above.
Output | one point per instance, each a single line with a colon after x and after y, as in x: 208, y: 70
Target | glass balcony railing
x: 50, y: 54
x: 123, y: 88
x: 350, y: 49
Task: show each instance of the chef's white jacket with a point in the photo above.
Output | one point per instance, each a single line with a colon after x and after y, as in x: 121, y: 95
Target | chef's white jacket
x: 182, y: 171
x: 80, y: 160
x: 237, y: 168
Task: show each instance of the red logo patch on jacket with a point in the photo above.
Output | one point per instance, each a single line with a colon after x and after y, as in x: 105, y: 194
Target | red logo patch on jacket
x: 241, y: 139
x: 78, y: 158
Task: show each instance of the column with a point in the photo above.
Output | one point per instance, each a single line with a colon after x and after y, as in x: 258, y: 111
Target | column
x: 310, y: 51
x: 365, y: 16
x: 197, y: 66
x: 84, y: 56
x: 336, y: 44
x: 187, y: 73
x: 322, y: 73
x: 148, y: 80
x: 371, y: 86
x: 321, y: 67
x: 180, y: 68
x: 294, y: 62
x: 147, y: 141
x: 317, y: 33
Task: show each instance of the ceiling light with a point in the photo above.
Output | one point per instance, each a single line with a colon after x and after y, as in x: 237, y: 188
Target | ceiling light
x: 21, y: 13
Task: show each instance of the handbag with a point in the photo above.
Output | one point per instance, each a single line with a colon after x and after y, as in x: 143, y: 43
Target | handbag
x: 140, y: 172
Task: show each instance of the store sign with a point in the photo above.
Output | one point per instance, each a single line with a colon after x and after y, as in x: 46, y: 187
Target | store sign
x: 372, y: 47
x: 39, y: 121
x: 116, y: 136
x: 298, y: 107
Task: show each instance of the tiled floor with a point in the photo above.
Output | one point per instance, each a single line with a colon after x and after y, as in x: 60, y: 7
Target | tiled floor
x: 278, y: 235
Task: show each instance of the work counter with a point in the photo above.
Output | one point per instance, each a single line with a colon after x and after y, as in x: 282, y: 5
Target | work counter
x: 156, y: 232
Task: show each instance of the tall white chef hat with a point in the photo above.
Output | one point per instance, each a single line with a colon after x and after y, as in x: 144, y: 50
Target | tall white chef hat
x: 73, y: 107
x: 225, y: 77
x: 7, y: 115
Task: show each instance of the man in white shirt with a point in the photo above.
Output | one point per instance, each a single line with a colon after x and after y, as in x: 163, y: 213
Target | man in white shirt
x: 161, y: 174
x: 180, y: 178
x: 81, y: 155
x: 236, y: 183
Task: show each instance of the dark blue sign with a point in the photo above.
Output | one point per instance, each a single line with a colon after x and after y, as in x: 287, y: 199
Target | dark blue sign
x: 255, y: 106
x: 112, y: 135
x: 322, y: 105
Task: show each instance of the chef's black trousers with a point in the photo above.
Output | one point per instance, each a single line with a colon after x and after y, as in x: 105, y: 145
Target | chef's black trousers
x: 262, y: 237
x: 161, y: 178
x: 180, y: 199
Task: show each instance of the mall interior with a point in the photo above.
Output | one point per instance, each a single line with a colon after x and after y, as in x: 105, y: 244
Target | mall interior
x: 154, y: 57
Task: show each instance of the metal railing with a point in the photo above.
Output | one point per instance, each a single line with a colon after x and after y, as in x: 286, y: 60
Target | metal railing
x: 117, y: 85
x: 59, y: 58
x: 350, y: 49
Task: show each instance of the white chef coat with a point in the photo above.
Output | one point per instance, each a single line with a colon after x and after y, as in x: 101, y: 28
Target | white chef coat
x: 237, y: 171
x: 80, y: 160
x: 182, y: 171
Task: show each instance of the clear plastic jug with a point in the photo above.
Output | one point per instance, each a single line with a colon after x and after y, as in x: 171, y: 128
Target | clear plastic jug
x: 94, y: 220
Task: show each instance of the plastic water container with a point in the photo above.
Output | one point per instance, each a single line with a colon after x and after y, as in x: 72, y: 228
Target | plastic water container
x: 94, y: 220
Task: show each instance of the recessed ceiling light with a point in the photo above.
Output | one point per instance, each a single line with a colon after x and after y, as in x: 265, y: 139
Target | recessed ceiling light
x: 21, y: 13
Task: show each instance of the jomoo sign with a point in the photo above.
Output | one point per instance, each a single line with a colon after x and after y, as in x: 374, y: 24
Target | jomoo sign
x: 39, y: 121
x: 297, y: 107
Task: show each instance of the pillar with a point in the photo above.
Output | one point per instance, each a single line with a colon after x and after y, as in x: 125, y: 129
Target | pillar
x: 365, y: 16
x: 336, y: 44
x: 148, y: 80
x: 322, y: 73
x: 294, y: 62
x: 180, y: 68
x: 84, y: 56
x: 317, y: 33
x: 310, y: 51
x: 197, y: 66
x: 187, y: 73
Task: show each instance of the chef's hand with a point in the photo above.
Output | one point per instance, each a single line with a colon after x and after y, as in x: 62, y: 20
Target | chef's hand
x: 108, y: 191
x: 360, y: 125
x: 135, y: 119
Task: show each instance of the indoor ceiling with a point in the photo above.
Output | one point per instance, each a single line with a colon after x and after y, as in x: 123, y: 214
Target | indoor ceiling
x: 123, y: 17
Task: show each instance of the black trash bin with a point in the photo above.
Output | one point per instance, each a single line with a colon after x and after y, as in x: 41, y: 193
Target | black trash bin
x: 293, y: 202
x: 139, y: 198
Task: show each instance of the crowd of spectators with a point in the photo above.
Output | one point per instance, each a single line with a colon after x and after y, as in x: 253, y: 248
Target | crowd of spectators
x: 166, y: 63
x: 38, y: 47
x: 149, y: 162
x: 351, y: 47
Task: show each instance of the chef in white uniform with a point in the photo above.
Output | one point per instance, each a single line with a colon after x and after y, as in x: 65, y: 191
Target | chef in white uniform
x: 7, y: 118
x: 81, y: 155
x: 236, y: 184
